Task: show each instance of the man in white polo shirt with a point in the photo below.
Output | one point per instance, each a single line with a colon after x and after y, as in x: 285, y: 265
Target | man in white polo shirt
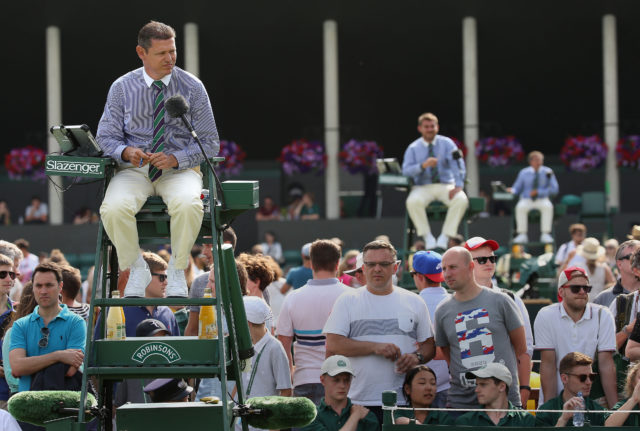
x: 575, y: 325
x: 304, y: 313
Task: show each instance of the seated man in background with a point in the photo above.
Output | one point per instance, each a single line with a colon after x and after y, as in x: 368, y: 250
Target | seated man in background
x: 534, y: 185
x: 437, y: 169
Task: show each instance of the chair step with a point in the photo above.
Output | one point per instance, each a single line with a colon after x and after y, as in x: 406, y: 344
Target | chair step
x: 173, y: 371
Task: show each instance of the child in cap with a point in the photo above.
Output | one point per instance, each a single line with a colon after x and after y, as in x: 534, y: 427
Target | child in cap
x: 168, y: 391
x: 336, y: 411
x: 131, y: 390
x: 269, y: 372
x: 492, y: 389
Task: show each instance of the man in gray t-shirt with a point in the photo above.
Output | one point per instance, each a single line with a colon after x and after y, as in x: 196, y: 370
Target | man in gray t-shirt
x: 474, y: 327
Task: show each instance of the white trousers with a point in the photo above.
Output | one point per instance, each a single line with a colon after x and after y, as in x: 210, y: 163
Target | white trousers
x: 127, y: 192
x: 543, y: 205
x: 421, y: 196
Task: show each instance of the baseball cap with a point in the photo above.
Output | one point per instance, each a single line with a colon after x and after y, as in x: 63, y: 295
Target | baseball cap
x: 570, y: 273
x: 150, y: 327
x: 359, y: 263
x: 257, y: 309
x: 306, y: 250
x: 478, y: 241
x: 163, y: 390
x: 429, y: 264
x: 337, y: 364
x: 494, y: 369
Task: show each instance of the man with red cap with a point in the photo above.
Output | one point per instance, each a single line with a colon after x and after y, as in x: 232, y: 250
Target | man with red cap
x: 482, y: 250
x: 575, y: 325
x: 427, y: 274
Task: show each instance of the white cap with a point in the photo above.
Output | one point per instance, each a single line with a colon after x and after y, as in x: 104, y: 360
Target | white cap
x: 257, y: 310
x: 359, y: 263
x: 337, y: 364
x: 494, y: 369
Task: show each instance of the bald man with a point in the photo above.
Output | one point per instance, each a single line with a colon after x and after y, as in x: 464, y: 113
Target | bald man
x: 475, y: 327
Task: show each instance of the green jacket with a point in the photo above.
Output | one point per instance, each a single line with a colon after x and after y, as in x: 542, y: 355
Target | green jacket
x: 550, y: 419
x: 515, y: 417
x: 433, y: 418
x: 633, y: 420
x: 328, y: 420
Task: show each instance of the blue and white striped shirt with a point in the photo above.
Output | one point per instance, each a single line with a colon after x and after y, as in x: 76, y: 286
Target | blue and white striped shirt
x: 127, y: 120
x: 450, y: 171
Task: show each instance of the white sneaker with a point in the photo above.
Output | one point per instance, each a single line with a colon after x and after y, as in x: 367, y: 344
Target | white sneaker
x: 139, y: 279
x: 429, y: 241
x: 546, y: 238
x: 442, y: 242
x: 521, y: 239
x: 176, y: 283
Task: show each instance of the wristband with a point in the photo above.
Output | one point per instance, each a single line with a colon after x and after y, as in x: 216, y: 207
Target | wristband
x: 420, y: 357
x: 526, y: 387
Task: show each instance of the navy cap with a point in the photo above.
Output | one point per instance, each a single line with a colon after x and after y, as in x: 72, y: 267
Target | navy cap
x: 150, y: 327
x: 429, y: 264
x: 164, y: 390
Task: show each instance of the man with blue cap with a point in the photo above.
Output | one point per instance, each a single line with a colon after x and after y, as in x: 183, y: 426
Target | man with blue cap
x: 427, y: 275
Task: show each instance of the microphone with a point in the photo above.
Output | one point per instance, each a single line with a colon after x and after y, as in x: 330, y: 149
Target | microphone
x: 177, y: 106
x: 38, y: 407
x: 276, y: 412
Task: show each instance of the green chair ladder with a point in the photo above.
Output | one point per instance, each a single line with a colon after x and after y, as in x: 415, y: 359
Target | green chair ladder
x: 188, y: 357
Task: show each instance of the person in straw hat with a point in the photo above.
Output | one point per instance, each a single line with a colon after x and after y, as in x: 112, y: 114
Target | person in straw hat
x: 635, y: 232
x: 590, y: 255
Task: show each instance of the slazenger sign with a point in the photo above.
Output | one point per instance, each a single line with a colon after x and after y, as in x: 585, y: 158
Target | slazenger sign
x: 161, y: 349
x: 61, y: 167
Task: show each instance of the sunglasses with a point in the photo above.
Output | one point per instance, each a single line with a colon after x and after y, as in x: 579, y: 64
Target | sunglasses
x: 44, y: 341
x: 11, y: 274
x: 483, y: 259
x: 583, y: 377
x: 161, y: 277
x: 576, y: 288
x: 626, y: 257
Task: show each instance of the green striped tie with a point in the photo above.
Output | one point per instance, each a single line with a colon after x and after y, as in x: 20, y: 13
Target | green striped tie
x: 158, y: 128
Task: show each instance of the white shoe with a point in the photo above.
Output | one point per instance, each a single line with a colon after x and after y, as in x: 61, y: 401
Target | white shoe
x: 521, y: 239
x: 429, y: 241
x: 139, y: 279
x: 176, y: 283
x: 442, y: 242
x: 546, y: 238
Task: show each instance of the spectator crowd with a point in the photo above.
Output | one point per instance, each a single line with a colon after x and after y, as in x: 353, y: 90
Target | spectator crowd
x: 339, y: 330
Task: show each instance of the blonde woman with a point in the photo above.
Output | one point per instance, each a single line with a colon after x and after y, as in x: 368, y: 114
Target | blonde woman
x: 632, y: 392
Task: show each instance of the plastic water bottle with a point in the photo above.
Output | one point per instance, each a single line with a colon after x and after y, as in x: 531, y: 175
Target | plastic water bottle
x: 578, y: 416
